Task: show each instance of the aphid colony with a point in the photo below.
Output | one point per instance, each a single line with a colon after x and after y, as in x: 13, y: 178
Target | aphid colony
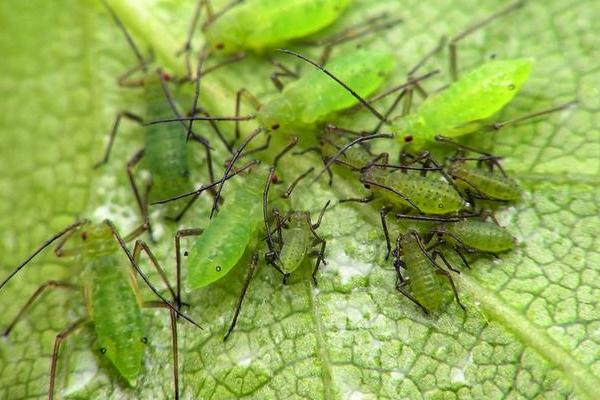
x: 449, y: 202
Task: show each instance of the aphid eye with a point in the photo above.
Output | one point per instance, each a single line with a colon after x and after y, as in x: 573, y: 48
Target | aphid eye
x: 144, y: 340
x: 103, y: 350
x: 367, y: 186
x: 218, y: 269
x: 274, y: 179
x: 511, y: 86
x: 83, y: 235
x: 408, y: 138
x: 166, y: 76
x: 275, y: 126
x: 185, y: 253
x: 220, y: 46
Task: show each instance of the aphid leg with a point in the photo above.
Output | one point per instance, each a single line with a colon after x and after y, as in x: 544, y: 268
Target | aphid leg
x: 142, y: 204
x: 140, y: 246
x: 238, y: 304
x: 213, y: 16
x: 456, y: 39
x: 41, y: 290
x: 284, y: 72
x: 137, y: 269
x: 354, y: 32
x: 485, y: 214
x: 62, y: 335
x: 383, y: 213
x: 272, y: 255
x: 401, y: 282
x: 178, y: 236
x: 293, y: 185
x: 238, y: 99
x: 293, y: 142
x: 367, y: 199
x: 60, y: 251
x: 260, y: 148
x: 320, y: 217
x: 187, y: 45
x: 239, y: 56
x: 512, y: 122
x: 174, y: 346
x: 66, y: 231
x: 437, y: 253
x: 318, y: 240
x: 462, y: 256
x: 383, y: 157
x: 113, y: 133
x: 320, y: 259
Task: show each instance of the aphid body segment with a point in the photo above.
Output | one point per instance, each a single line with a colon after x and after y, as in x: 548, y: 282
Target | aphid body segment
x: 430, y: 193
x: 314, y: 96
x: 466, y: 104
x: 425, y: 283
x: 222, y: 244
x: 259, y: 25
x: 490, y: 183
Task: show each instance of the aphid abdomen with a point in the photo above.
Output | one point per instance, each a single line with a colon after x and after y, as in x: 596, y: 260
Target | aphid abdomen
x: 483, y: 236
x: 223, y: 243
x: 431, y: 193
x: 166, y: 154
x: 425, y: 283
x: 460, y: 109
x: 492, y: 184
x: 296, y: 245
x: 262, y: 24
x: 117, y: 317
x: 315, y: 96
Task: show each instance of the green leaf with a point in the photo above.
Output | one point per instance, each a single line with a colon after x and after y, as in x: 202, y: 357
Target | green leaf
x: 532, y: 327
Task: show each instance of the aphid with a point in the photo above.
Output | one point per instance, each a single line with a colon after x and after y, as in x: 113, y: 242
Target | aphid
x: 466, y: 233
x: 424, y: 276
x: 111, y: 296
x: 230, y: 233
x: 165, y: 152
x: 465, y: 105
x: 296, y: 234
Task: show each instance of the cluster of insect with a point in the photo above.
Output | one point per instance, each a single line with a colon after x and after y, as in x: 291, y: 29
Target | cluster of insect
x: 449, y: 203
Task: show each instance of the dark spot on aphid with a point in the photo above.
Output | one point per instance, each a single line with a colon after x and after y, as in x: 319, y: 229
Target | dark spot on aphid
x: 144, y: 340
x: 218, y: 269
x: 275, y: 126
x: 493, y: 56
x: 166, y: 76
x: 511, y: 86
x: 359, y: 46
x: 440, y: 205
x: 185, y: 173
x: 367, y: 186
x: 103, y: 350
x: 185, y: 253
x: 408, y: 138
x: 83, y: 235
x: 220, y: 46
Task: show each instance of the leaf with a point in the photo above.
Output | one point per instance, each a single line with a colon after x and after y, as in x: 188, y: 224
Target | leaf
x: 533, y: 320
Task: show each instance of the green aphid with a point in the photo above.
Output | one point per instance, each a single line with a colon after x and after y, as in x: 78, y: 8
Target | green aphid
x: 260, y: 25
x: 165, y: 152
x: 427, y: 281
x: 231, y: 232
x: 111, y: 295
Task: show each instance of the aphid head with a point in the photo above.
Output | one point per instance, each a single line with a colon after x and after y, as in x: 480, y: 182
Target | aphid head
x: 95, y: 240
x: 275, y: 114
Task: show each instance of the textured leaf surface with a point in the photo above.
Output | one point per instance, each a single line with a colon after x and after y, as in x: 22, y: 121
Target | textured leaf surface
x: 532, y: 328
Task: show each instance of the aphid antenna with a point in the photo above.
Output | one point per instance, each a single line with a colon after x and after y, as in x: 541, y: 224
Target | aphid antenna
x: 346, y: 147
x: 214, y: 16
x: 123, y: 246
x: 293, y: 142
x: 292, y: 186
x: 447, y: 141
x: 391, y: 189
x: 230, y: 167
x: 335, y: 78
x: 454, y: 40
x: 43, y: 246
x: 130, y: 41
x: 207, y: 186
x: 202, y: 118
x: 427, y: 57
x: 410, y: 82
x: 165, y: 88
x: 499, y: 125
x: 201, y: 58
x: 406, y: 167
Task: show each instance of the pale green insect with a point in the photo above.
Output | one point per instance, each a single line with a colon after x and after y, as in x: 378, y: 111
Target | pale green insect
x: 111, y: 295
x: 425, y: 278
x: 259, y: 25
x: 230, y: 233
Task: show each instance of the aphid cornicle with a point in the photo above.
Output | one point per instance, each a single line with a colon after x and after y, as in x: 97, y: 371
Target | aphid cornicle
x: 230, y: 233
x: 426, y: 279
x: 165, y: 153
x: 111, y: 295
